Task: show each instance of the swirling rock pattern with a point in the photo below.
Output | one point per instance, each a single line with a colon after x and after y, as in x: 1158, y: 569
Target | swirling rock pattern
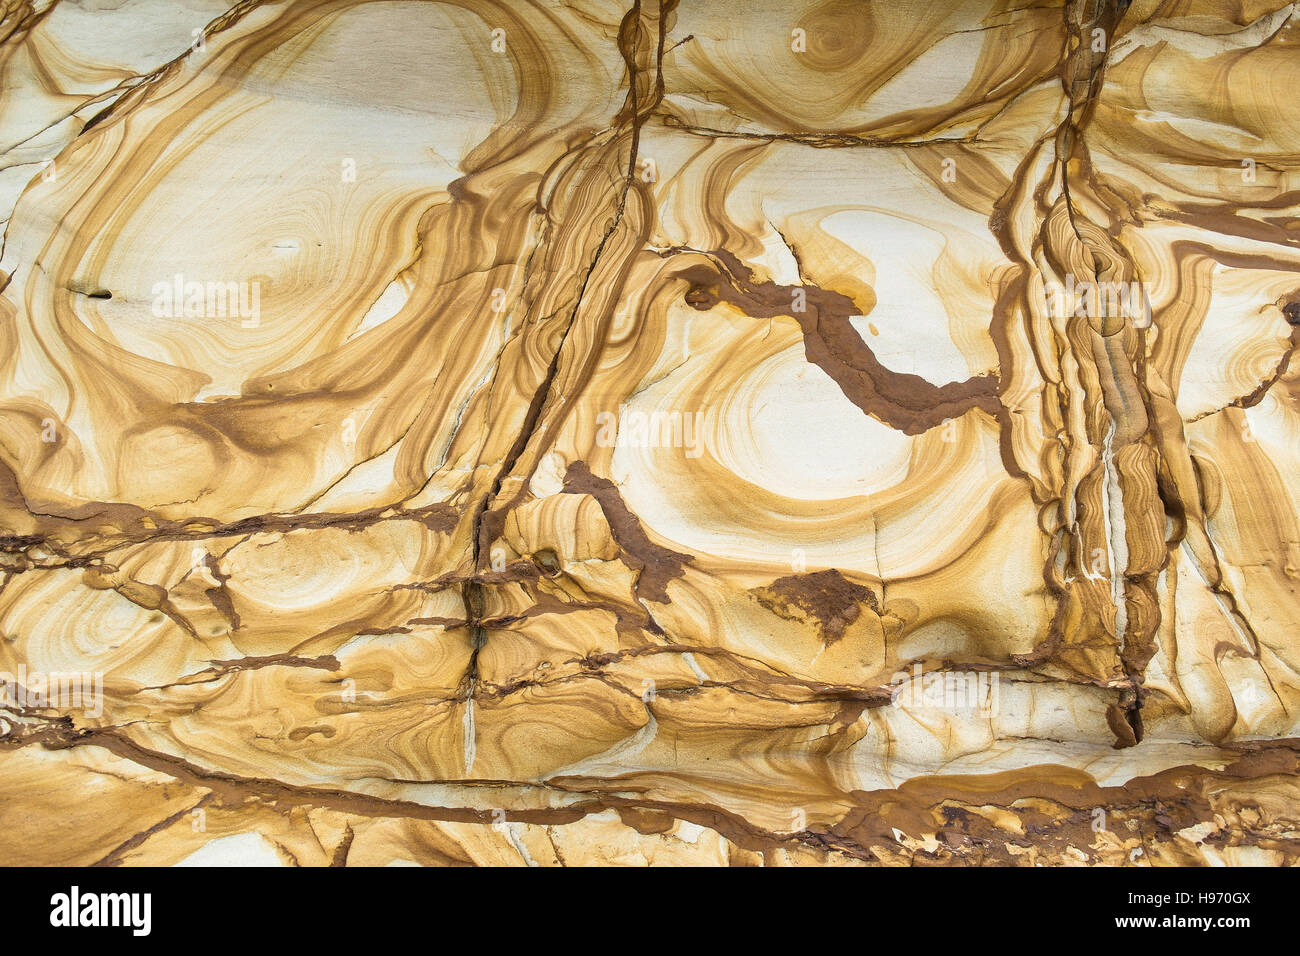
x: 666, y: 432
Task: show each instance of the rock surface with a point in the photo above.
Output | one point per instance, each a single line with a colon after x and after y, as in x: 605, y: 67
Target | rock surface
x: 650, y: 433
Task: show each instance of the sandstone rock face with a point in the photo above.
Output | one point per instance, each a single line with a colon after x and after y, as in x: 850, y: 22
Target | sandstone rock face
x: 649, y: 433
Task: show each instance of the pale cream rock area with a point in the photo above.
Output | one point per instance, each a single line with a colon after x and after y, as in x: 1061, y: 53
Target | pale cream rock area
x: 583, y: 433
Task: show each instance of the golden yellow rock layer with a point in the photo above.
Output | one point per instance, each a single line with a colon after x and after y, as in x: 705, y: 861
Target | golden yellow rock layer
x: 579, y: 433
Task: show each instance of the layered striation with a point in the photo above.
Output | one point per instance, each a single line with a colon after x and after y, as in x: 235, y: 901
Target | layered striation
x: 652, y: 433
